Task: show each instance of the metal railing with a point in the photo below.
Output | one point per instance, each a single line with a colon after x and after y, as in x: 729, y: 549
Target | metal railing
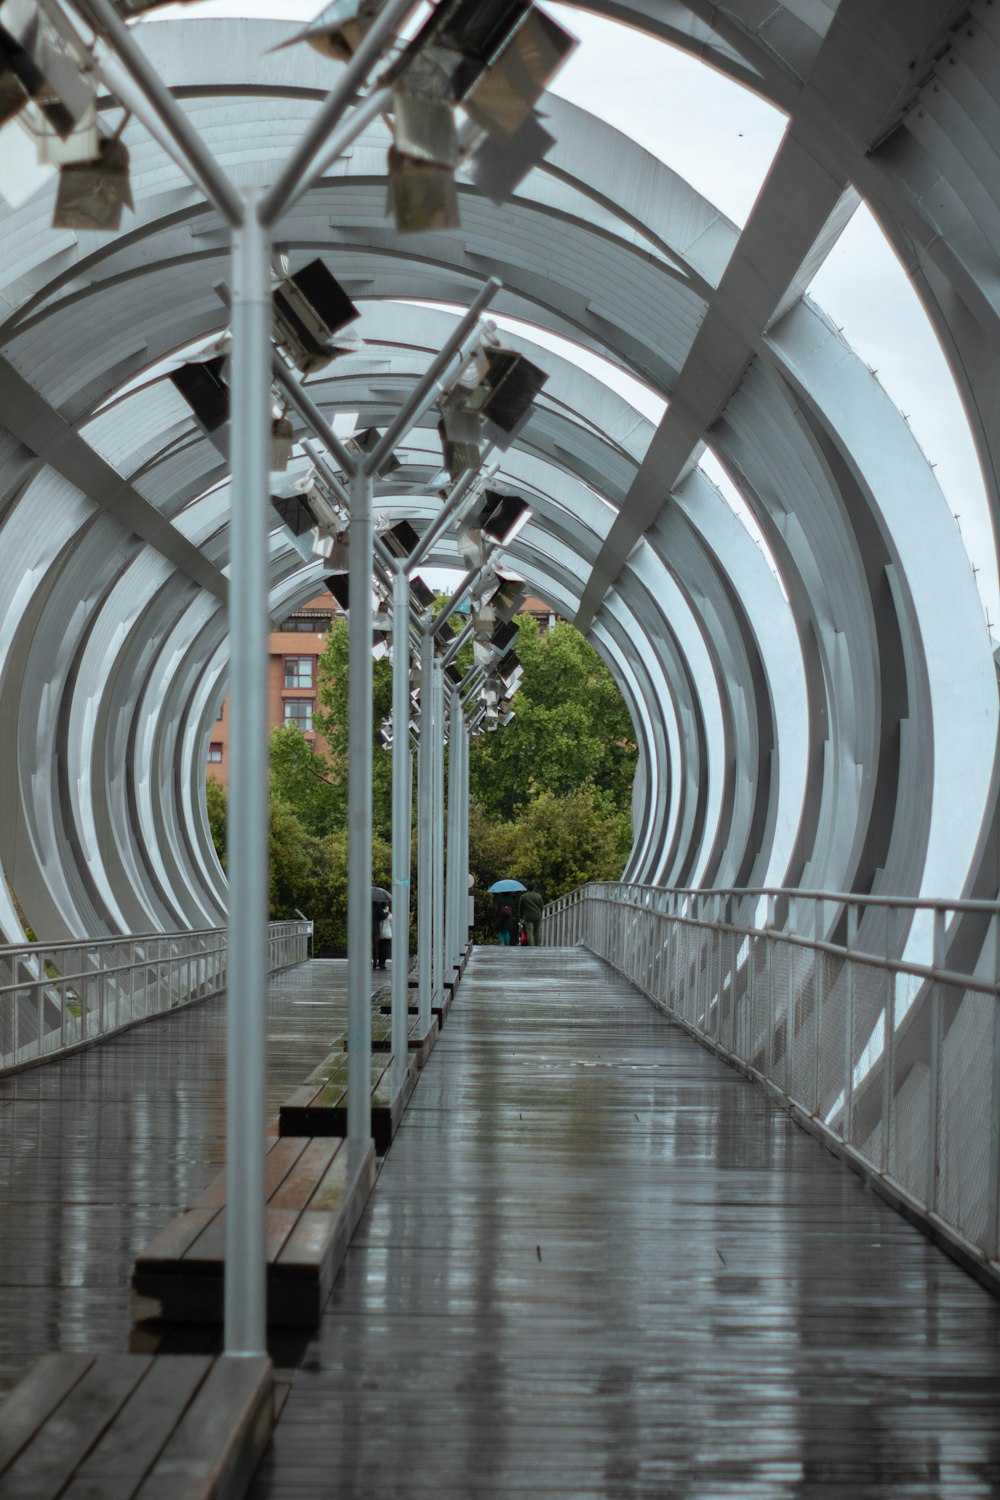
x: 55, y: 997
x: 893, y: 1058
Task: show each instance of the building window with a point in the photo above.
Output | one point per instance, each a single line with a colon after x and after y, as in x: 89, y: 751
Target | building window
x: 314, y: 624
x: 300, y: 711
x: 215, y: 752
x: 299, y: 671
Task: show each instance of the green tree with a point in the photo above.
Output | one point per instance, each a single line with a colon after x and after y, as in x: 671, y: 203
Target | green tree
x: 217, y: 804
x: 571, y: 728
x: 331, y: 720
x: 308, y: 780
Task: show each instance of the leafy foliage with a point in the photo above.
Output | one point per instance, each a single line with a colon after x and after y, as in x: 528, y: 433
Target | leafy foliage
x: 571, y: 728
x: 551, y: 792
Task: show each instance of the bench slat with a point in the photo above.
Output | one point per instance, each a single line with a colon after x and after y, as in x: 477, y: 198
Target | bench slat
x: 35, y: 1398
x: 130, y: 1446
x: 46, y: 1466
x: 169, y: 1247
x: 300, y: 1185
x: 215, y: 1446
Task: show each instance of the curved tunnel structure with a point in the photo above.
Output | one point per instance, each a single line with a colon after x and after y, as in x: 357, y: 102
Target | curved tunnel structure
x: 817, y: 712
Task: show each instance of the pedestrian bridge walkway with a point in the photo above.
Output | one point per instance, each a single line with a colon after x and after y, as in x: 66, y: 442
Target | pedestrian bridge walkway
x: 597, y: 1262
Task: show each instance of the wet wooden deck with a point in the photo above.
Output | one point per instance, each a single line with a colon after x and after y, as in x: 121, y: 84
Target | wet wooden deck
x: 597, y: 1263
x: 102, y: 1149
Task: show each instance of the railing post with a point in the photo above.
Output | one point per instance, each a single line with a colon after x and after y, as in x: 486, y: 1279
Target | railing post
x: 792, y: 929
x: 818, y: 910
x: 400, y: 811
x: 769, y: 984
x: 993, y: 1221
x: 425, y: 856
x: 888, y: 1039
x: 852, y: 940
x: 934, y: 1080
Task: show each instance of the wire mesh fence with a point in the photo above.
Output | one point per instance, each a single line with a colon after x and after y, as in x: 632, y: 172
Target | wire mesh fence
x: 54, y: 997
x: 889, y: 1052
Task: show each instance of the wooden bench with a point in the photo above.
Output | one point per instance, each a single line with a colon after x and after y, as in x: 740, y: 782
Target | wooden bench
x: 135, y: 1427
x: 316, y: 1191
x: 319, y: 1106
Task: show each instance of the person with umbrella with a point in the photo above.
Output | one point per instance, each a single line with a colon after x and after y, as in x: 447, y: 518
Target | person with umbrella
x: 381, y: 901
x: 503, y: 915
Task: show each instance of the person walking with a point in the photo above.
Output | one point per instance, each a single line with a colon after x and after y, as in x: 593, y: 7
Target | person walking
x: 384, y: 938
x: 504, y: 919
x: 529, y: 909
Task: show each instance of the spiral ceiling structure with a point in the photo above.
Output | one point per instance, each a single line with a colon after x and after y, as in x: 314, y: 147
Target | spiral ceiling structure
x: 824, y: 717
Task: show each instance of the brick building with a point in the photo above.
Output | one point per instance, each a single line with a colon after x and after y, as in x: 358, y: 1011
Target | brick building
x: 291, y: 675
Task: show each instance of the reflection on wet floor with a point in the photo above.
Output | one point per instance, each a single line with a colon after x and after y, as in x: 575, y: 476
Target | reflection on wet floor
x: 103, y: 1148
x: 597, y: 1263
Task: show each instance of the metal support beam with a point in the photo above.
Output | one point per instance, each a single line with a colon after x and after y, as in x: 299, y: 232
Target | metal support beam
x: 426, y: 389
x: 437, y: 803
x: 425, y: 853
x: 246, y: 1004
x: 359, y: 813
x: 400, y: 809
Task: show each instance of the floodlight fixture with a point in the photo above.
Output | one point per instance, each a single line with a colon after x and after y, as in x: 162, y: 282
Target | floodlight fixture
x: 422, y: 194
x: 34, y: 54
x: 460, y: 453
x: 282, y: 438
x: 339, y: 29
x: 423, y: 129
x: 57, y: 147
x: 498, y: 167
x: 400, y: 538
x: 505, y: 395
x: 503, y: 97
x: 420, y: 593
x: 364, y: 443
x: 456, y: 44
x: 201, y: 384
x: 508, y: 597
x: 501, y: 516
x: 94, y: 194
x: 503, y: 638
x: 339, y: 587
x: 310, y: 308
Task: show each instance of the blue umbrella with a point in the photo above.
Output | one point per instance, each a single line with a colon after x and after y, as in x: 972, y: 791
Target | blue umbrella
x: 506, y: 885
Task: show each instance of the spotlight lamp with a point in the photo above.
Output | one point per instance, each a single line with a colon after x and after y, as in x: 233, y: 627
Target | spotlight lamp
x: 339, y: 29
x: 504, y: 396
x: 366, y: 442
x: 422, y: 596
x: 201, y: 384
x: 503, y: 638
x: 94, y: 194
x: 508, y: 596
x: 499, y: 515
x: 400, y: 539
x: 461, y: 452
x: 282, y: 438
x: 338, y: 586
x: 498, y: 166
x: 310, y: 308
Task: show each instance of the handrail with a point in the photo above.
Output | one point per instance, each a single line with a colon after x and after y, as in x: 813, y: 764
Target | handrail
x: 56, y: 997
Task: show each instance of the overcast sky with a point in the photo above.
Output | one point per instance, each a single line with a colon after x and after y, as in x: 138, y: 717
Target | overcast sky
x: 722, y: 139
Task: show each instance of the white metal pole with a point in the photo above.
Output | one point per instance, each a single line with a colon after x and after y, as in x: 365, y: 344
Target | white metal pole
x: 246, y: 1003
x: 425, y: 853
x: 400, y: 809
x: 437, y: 803
x: 359, y: 811
x: 465, y: 924
x: 454, y: 833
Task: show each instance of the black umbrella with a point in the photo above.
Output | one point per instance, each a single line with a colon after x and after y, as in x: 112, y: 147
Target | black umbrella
x: 378, y: 894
